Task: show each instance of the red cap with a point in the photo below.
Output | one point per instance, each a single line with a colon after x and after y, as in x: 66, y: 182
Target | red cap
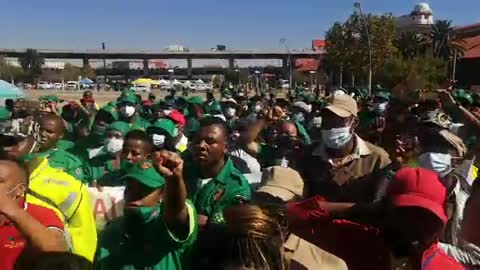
x: 418, y: 187
x: 177, y: 117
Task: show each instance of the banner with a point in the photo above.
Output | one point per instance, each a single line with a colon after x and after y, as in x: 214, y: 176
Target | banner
x: 106, y: 204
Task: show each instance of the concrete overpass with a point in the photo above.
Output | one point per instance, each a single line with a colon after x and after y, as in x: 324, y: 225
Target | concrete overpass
x: 230, y: 55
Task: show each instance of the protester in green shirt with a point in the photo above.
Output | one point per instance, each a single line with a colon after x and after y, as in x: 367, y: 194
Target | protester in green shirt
x: 91, y: 146
x: 129, y: 112
x: 109, y: 160
x: 195, y: 113
x: 213, y: 182
x: 51, y: 131
x: 159, y: 223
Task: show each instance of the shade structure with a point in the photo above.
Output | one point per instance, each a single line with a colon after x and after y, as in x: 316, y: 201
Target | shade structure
x: 10, y: 91
x: 86, y: 81
x: 145, y: 81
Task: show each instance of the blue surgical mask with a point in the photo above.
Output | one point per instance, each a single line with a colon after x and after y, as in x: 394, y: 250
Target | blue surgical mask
x: 438, y: 162
x: 336, y: 138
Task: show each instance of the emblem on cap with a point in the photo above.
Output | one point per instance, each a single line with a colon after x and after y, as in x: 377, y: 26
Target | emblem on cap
x: 146, y: 165
x: 218, y: 195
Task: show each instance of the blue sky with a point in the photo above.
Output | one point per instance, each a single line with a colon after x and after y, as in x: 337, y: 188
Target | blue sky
x: 153, y: 24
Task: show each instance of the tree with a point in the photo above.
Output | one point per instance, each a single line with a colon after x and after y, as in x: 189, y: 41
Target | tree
x: 425, y: 71
x: 347, y: 44
x: 444, y: 41
x: 32, y: 63
x: 411, y: 44
x: 9, y: 72
x: 71, y: 72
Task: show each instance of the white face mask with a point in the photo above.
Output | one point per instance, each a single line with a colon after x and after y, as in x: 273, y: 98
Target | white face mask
x: 230, y: 112
x: 167, y: 112
x: 299, y: 117
x: 336, y: 138
x: 317, y: 122
x: 128, y: 110
x: 258, y: 108
x: 437, y: 162
x: 380, y: 108
x: 113, y: 145
x: 158, y: 140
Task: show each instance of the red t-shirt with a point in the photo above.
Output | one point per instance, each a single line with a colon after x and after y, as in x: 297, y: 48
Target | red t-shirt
x: 13, y: 243
x: 360, y: 246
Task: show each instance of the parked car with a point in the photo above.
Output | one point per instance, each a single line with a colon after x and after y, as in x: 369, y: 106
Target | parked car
x: 72, y: 85
x: 143, y: 88
x: 44, y: 85
x: 58, y: 86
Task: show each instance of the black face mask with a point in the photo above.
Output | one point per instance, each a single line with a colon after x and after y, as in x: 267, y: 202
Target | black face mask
x: 285, y: 149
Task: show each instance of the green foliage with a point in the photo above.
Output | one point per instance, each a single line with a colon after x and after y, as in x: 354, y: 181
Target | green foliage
x: 32, y: 63
x: 347, y: 43
x: 444, y: 42
x: 9, y: 72
x: 71, y: 72
x: 424, y: 71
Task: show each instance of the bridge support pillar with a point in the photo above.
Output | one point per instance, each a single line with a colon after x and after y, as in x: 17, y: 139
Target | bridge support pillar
x: 86, y: 62
x: 145, y: 67
x: 231, y: 63
x: 189, y: 68
x: 285, y: 68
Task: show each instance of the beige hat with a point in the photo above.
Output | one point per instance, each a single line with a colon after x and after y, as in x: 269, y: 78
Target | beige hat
x: 455, y: 142
x: 342, y: 105
x: 284, y: 183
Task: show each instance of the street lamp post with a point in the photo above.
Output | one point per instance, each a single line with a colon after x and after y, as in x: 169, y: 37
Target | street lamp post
x: 257, y: 73
x: 171, y: 71
x: 365, y: 24
x: 238, y: 74
x: 312, y: 72
x: 289, y: 62
x: 104, y: 68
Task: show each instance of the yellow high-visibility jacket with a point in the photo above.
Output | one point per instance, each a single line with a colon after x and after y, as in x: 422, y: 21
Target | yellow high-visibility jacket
x: 68, y: 197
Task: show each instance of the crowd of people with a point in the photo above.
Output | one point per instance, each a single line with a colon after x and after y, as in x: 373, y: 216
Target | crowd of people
x: 345, y: 180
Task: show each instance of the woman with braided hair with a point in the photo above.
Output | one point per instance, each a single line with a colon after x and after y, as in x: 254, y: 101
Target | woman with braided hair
x: 256, y: 238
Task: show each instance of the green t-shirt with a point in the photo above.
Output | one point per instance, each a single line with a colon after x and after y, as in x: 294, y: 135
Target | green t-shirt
x: 211, y: 197
x: 65, y: 144
x: 101, y: 167
x: 155, y: 248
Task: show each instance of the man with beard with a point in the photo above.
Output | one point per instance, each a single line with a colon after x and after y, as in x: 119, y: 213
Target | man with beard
x: 51, y: 131
x: 212, y: 180
x: 92, y: 145
x: 159, y: 222
x: 409, y: 223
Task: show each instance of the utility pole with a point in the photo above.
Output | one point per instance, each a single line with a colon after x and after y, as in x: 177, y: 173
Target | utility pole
x: 104, y: 67
x: 365, y: 24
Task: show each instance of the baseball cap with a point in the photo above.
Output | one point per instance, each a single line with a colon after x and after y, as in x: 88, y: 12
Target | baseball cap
x: 145, y: 173
x: 167, y: 125
x: 454, y: 141
x: 120, y: 126
x: 195, y: 100
x: 418, y: 187
x: 281, y: 182
x: 342, y: 105
x: 177, y: 117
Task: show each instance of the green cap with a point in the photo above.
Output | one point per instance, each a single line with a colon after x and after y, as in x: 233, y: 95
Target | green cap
x: 50, y: 98
x: 129, y: 97
x: 195, y: 100
x: 5, y: 114
x: 110, y: 110
x: 214, y: 108
x: 226, y: 93
x: 145, y: 173
x: 383, y: 95
x: 120, y: 126
x: 167, y: 125
x: 463, y: 96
